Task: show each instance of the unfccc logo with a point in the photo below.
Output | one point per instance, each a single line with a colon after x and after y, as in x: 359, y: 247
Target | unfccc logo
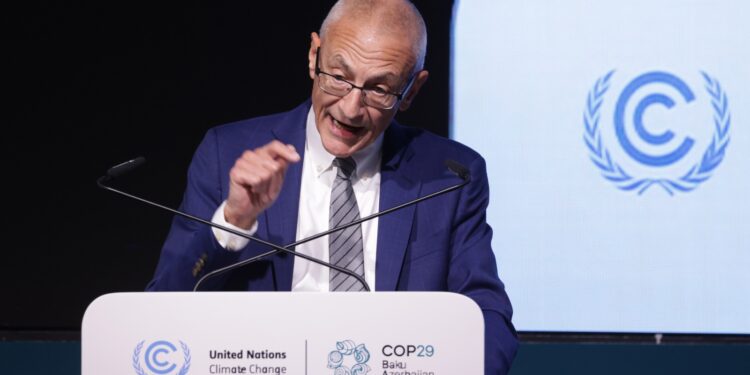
x: 161, y: 358
x: 656, y: 151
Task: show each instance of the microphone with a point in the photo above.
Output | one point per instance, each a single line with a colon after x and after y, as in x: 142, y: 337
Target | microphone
x: 129, y: 165
x: 122, y: 168
x: 454, y: 166
x: 458, y: 169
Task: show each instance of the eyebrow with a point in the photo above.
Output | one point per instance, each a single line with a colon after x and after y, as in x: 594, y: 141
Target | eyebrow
x: 387, y: 77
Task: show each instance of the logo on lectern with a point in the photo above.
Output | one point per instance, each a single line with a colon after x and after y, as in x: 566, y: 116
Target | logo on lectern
x: 654, y: 154
x: 349, y: 358
x: 161, y: 358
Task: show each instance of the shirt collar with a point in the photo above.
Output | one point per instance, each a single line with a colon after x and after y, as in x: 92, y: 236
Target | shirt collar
x: 367, y: 159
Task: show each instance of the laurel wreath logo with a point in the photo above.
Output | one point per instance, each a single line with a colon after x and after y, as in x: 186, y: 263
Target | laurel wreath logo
x: 699, y: 172
x: 137, y: 359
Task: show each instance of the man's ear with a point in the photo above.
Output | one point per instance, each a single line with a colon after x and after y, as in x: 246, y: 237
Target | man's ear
x: 313, y: 53
x: 419, y: 80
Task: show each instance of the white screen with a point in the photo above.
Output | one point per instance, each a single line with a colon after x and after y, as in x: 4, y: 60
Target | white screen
x: 632, y: 253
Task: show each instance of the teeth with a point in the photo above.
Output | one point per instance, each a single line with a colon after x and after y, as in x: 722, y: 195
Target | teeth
x: 341, y: 125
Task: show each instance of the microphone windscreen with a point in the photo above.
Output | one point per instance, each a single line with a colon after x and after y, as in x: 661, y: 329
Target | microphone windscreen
x: 123, y: 168
x: 458, y: 169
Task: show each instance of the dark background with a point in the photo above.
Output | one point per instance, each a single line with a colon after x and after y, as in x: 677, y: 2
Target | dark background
x: 89, y: 85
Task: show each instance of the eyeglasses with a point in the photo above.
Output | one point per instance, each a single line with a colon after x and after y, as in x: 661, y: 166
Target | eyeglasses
x: 374, y: 97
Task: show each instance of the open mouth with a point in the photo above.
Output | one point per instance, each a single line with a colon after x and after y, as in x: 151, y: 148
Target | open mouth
x: 344, y: 129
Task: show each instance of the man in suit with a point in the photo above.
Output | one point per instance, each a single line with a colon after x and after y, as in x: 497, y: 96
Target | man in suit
x: 334, y: 159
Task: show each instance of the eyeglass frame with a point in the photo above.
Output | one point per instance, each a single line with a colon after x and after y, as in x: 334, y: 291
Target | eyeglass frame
x: 399, y: 96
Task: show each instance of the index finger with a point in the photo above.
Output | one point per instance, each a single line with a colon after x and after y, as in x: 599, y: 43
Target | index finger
x: 278, y: 150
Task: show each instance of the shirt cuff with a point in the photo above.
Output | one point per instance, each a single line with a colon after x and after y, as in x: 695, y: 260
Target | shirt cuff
x: 230, y: 241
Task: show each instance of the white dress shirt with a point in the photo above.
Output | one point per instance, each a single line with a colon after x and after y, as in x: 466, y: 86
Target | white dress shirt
x: 318, y: 174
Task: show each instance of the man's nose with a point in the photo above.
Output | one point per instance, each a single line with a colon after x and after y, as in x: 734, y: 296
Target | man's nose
x: 352, y: 104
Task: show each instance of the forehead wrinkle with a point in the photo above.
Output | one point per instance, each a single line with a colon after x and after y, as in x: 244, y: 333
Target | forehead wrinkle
x: 365, y: 41
x: 386, y: 76
x: 376, y: 61
x: 341, y: 61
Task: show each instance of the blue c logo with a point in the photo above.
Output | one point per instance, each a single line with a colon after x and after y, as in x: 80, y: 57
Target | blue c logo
x: 154, y: 360
x: 643, y: 133
x: 670, y: 181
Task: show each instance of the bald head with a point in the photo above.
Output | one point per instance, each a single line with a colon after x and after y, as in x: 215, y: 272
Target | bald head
x: 396, y: 17
x: 368, y: 68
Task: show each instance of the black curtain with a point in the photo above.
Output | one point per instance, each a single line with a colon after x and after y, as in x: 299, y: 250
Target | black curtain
x: 88, y: 85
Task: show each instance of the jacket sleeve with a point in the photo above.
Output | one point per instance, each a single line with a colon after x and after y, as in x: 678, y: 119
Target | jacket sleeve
x: 473, y: 271
x: 191, y: 249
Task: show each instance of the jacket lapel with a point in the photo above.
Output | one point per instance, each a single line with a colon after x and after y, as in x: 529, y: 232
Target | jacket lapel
x: 396, y: 187
x: 281, y: 217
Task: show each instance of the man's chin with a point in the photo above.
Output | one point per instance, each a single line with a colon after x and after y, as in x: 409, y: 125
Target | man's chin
x: 339, y: 149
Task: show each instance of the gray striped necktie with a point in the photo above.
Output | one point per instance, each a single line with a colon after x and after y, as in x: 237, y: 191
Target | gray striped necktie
x: 345, y: 246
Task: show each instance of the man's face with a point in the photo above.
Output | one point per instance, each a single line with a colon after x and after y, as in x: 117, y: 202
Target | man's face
x: 365, y: 58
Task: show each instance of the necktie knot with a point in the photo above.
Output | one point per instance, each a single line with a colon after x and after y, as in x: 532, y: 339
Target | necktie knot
x: 346, y: 167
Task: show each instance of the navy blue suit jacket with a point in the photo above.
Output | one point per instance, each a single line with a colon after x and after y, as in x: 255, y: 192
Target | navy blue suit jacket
x: 442, y: 244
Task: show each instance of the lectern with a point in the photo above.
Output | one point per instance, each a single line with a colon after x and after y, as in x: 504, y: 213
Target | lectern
x: 176, y: 333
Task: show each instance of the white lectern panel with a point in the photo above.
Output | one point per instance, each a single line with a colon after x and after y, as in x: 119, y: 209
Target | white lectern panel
x: 282, y: 333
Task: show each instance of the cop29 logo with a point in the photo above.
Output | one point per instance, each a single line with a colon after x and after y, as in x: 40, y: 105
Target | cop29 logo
x: 161, y: 358
x: 656, y: 155
x: 349, y: 359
